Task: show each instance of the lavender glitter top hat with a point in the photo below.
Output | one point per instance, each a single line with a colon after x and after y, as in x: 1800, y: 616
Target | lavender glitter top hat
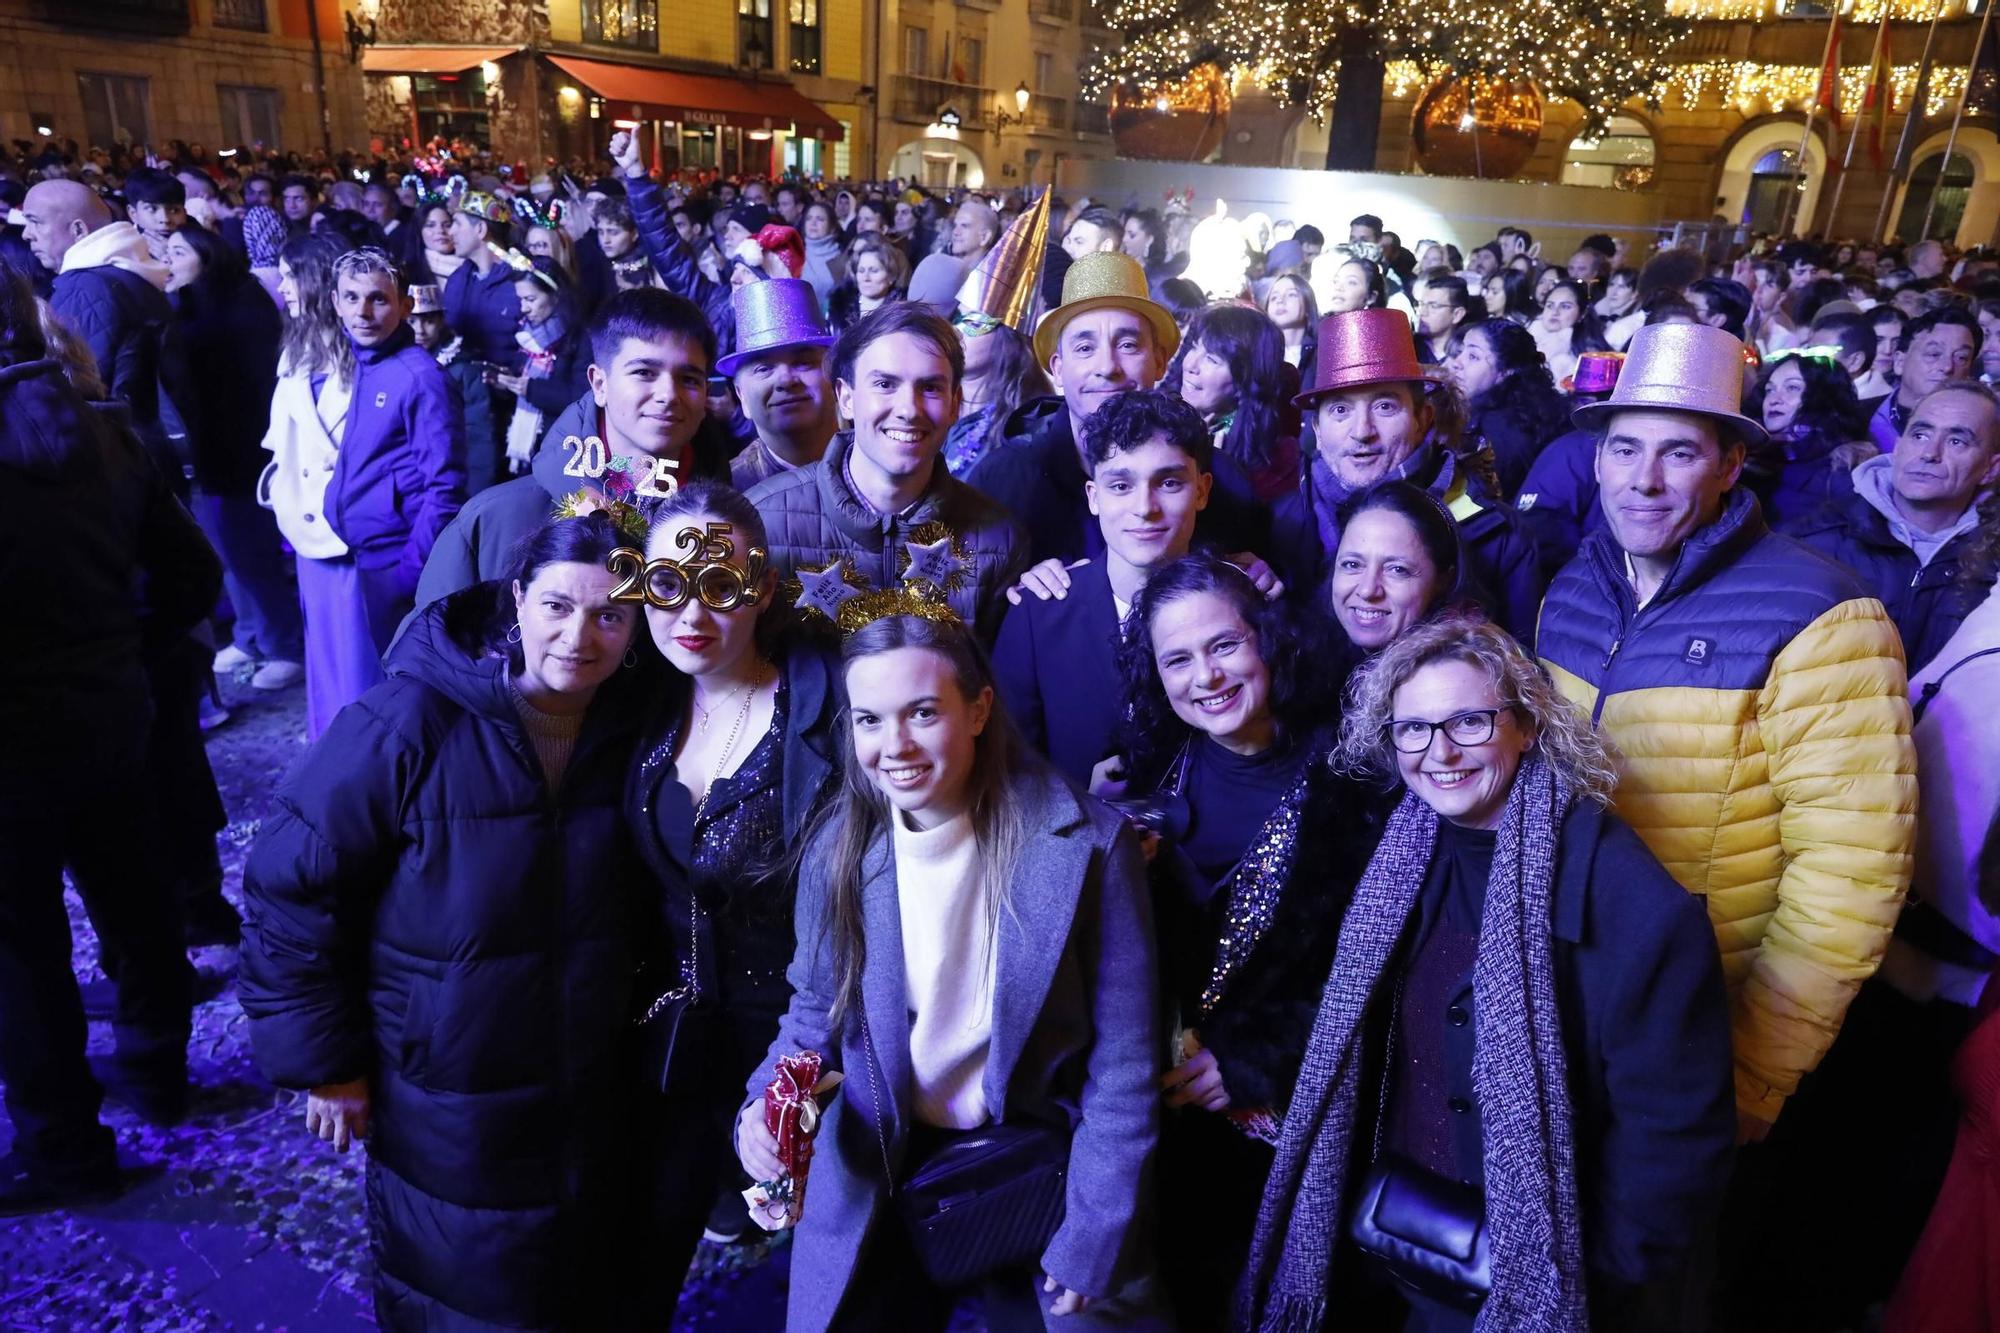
x: 783, y: 312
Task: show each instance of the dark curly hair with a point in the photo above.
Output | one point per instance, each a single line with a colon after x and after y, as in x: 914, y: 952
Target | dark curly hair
x: 1525, y: 392
x: 1131, y: 419
x: 1829, y: 413
x: 1296, y: 647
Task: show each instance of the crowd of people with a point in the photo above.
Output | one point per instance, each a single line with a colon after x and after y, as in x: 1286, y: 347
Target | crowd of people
x: 1438, y: 789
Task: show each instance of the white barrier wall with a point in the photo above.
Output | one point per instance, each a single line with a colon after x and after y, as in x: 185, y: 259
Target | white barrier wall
x: 1440, y: 208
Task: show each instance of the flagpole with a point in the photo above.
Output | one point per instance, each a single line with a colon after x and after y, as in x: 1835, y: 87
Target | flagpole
x: 1958, y: 117
x: 1917, y: 99
x: 1786, y: 214
x: 1860, y: 114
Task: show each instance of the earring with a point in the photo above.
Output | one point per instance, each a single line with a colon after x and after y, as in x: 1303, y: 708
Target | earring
x: 631, y: 658
x: 514, y: 634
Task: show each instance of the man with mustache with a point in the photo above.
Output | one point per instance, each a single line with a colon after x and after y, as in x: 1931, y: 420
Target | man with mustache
x: 779, y: 372
x: 651, y: 354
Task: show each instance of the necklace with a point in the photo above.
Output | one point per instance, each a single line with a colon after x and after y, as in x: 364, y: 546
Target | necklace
x: 702, y: 721
x: 728, y: 747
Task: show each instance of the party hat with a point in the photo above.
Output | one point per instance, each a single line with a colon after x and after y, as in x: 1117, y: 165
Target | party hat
x: 1003, y: 287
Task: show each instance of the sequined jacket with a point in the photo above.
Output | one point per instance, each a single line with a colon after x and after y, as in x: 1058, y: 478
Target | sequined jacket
x: 1252, y: 992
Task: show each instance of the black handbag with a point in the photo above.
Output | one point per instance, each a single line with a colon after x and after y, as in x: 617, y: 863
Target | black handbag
x: 668, y: 1025
x: 986, y: 1200
x: 1426, y: 1232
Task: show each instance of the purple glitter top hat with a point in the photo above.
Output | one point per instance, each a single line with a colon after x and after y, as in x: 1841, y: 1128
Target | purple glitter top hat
x: 783, y: 312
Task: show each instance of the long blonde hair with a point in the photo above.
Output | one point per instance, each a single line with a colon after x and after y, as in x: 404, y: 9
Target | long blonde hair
x: 1563, y: 734
x: 858, y: 814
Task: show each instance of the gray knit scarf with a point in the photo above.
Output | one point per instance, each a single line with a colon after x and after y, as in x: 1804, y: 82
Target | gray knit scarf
x: 1517, y: 1073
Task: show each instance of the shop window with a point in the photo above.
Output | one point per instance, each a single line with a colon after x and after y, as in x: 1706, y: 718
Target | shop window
x: 633, y: 23
x: 452, y: 106
x: 114, y: 109
x: 249, y: 115
x: 1622, y: 159
x: 805, y: 35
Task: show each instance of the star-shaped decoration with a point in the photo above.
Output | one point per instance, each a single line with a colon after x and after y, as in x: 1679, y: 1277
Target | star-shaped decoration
x: 934, y: 555
x: 826, y: 589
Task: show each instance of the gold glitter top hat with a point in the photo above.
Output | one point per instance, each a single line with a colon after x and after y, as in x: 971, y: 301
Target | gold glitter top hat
x: 1107, y: 278
x: 1003, y: 287
x: 1692, y: 368
x: 487, y: 207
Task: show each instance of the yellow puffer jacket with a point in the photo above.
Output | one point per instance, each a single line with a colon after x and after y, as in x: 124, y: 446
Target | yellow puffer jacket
x: 1760, y: 712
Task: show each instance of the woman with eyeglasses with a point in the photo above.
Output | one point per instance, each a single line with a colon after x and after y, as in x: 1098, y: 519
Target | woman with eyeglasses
x: 1525, y: 1029
x: 1228, y: 724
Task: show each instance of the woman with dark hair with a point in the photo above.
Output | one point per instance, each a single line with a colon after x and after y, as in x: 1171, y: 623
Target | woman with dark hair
x: 1231, y: 369
x: 1398, y: 563
x: 1510, y: 295
x: 1807, y: 404
x: 871, y: 217
x: 1510, y: 401
x: 1525, y: 1028
x: 1000, y: 375
x: 1183, y: 298
x: 735, y: 759
x: 438, y: 947
x: 826, y: 264
x: 229, y: 335
x: 877, y: 273
x: 1351, y: 283
x: 1567, y: 328
x: 433, y: 260
x: 1619, y: 310
x: 554, y: 375
x: 975, y: 956
x: 1227, y: 715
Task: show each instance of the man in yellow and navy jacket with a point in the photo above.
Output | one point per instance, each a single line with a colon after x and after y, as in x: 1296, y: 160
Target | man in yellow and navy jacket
x: 1756, y: 696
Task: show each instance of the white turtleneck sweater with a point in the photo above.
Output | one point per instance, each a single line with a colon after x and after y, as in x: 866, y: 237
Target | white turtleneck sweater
x: 948, y: 960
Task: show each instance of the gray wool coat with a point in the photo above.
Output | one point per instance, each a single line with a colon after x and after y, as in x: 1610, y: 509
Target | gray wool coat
x: 1075, y: 1035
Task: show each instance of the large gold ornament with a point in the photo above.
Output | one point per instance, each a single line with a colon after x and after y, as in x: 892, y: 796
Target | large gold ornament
x: 1476, y: 126
x: 1181, y: 122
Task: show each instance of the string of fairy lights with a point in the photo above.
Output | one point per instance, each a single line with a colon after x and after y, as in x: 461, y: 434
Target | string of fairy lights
x: 1602, y: 53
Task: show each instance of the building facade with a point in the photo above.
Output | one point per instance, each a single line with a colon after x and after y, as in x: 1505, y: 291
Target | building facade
x: 1721, y: 146
x: 210, y: 72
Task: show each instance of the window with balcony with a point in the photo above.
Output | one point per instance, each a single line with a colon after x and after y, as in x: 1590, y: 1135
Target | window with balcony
x: 1045, y: 70
x: 754, y: 33
x: 970, y: 65
x: 631, y: 23
x: 245, y: 15
x: 249, y: 115
x: 916, y: 50
x: 805, y: 35
x: 114, y: 109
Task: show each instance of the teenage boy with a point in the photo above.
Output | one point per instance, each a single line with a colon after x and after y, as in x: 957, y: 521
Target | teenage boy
x: 651, y: 353
x: 157, y: 204
x: 399, y: 481
x: 882, y: 499
x: 1149, y: 456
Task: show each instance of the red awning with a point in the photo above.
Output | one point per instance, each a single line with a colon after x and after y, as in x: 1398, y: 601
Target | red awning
x: 638, y: 92
x: 429, y: 59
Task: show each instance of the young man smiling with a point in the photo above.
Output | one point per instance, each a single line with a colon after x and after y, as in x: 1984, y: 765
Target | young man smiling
x: 650, y: 357
x: 1757, y: 696
x: 882, y: 499
x: 1056, y: 664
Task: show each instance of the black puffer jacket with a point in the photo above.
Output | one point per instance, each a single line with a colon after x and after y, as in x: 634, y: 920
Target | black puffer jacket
x: 229, y: 333
x: 100, y: 570
x: 425, y: 914
x: 814, y: 518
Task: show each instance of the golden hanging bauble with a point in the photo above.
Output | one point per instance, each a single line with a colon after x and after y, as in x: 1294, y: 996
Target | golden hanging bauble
x: 1181, y: 122
x: 1490, y: 133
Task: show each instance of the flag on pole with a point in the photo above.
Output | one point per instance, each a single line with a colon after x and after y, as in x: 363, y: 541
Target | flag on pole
x: 1875, y: 101
x: 1913, y: 121
x: 1828, y: 93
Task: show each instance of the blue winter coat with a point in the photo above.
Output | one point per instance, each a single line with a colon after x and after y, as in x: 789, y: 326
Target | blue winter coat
x: 401, y: 474
x: 1927, y: 602
x: 675, y: 263
x: 426, y: 914
x: 1057, y: 670
x: 485, y: 312
x: 1558, y: 501
x: 127, y: 324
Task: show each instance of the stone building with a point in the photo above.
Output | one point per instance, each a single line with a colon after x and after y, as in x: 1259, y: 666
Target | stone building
x: 212, y: 72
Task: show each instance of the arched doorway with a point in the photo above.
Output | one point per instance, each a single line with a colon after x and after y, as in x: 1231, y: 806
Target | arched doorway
x: 938, y: 163
x: 1761, y: 165
x: 1953, y: 187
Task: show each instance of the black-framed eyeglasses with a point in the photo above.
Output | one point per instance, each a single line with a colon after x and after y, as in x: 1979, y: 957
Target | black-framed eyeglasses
x: 1472, y: 727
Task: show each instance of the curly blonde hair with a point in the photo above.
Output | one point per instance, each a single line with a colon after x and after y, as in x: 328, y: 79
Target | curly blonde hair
x: 1564, y: 735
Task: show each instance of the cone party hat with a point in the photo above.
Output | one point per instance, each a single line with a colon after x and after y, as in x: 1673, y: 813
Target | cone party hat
x: 1003, y: 287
